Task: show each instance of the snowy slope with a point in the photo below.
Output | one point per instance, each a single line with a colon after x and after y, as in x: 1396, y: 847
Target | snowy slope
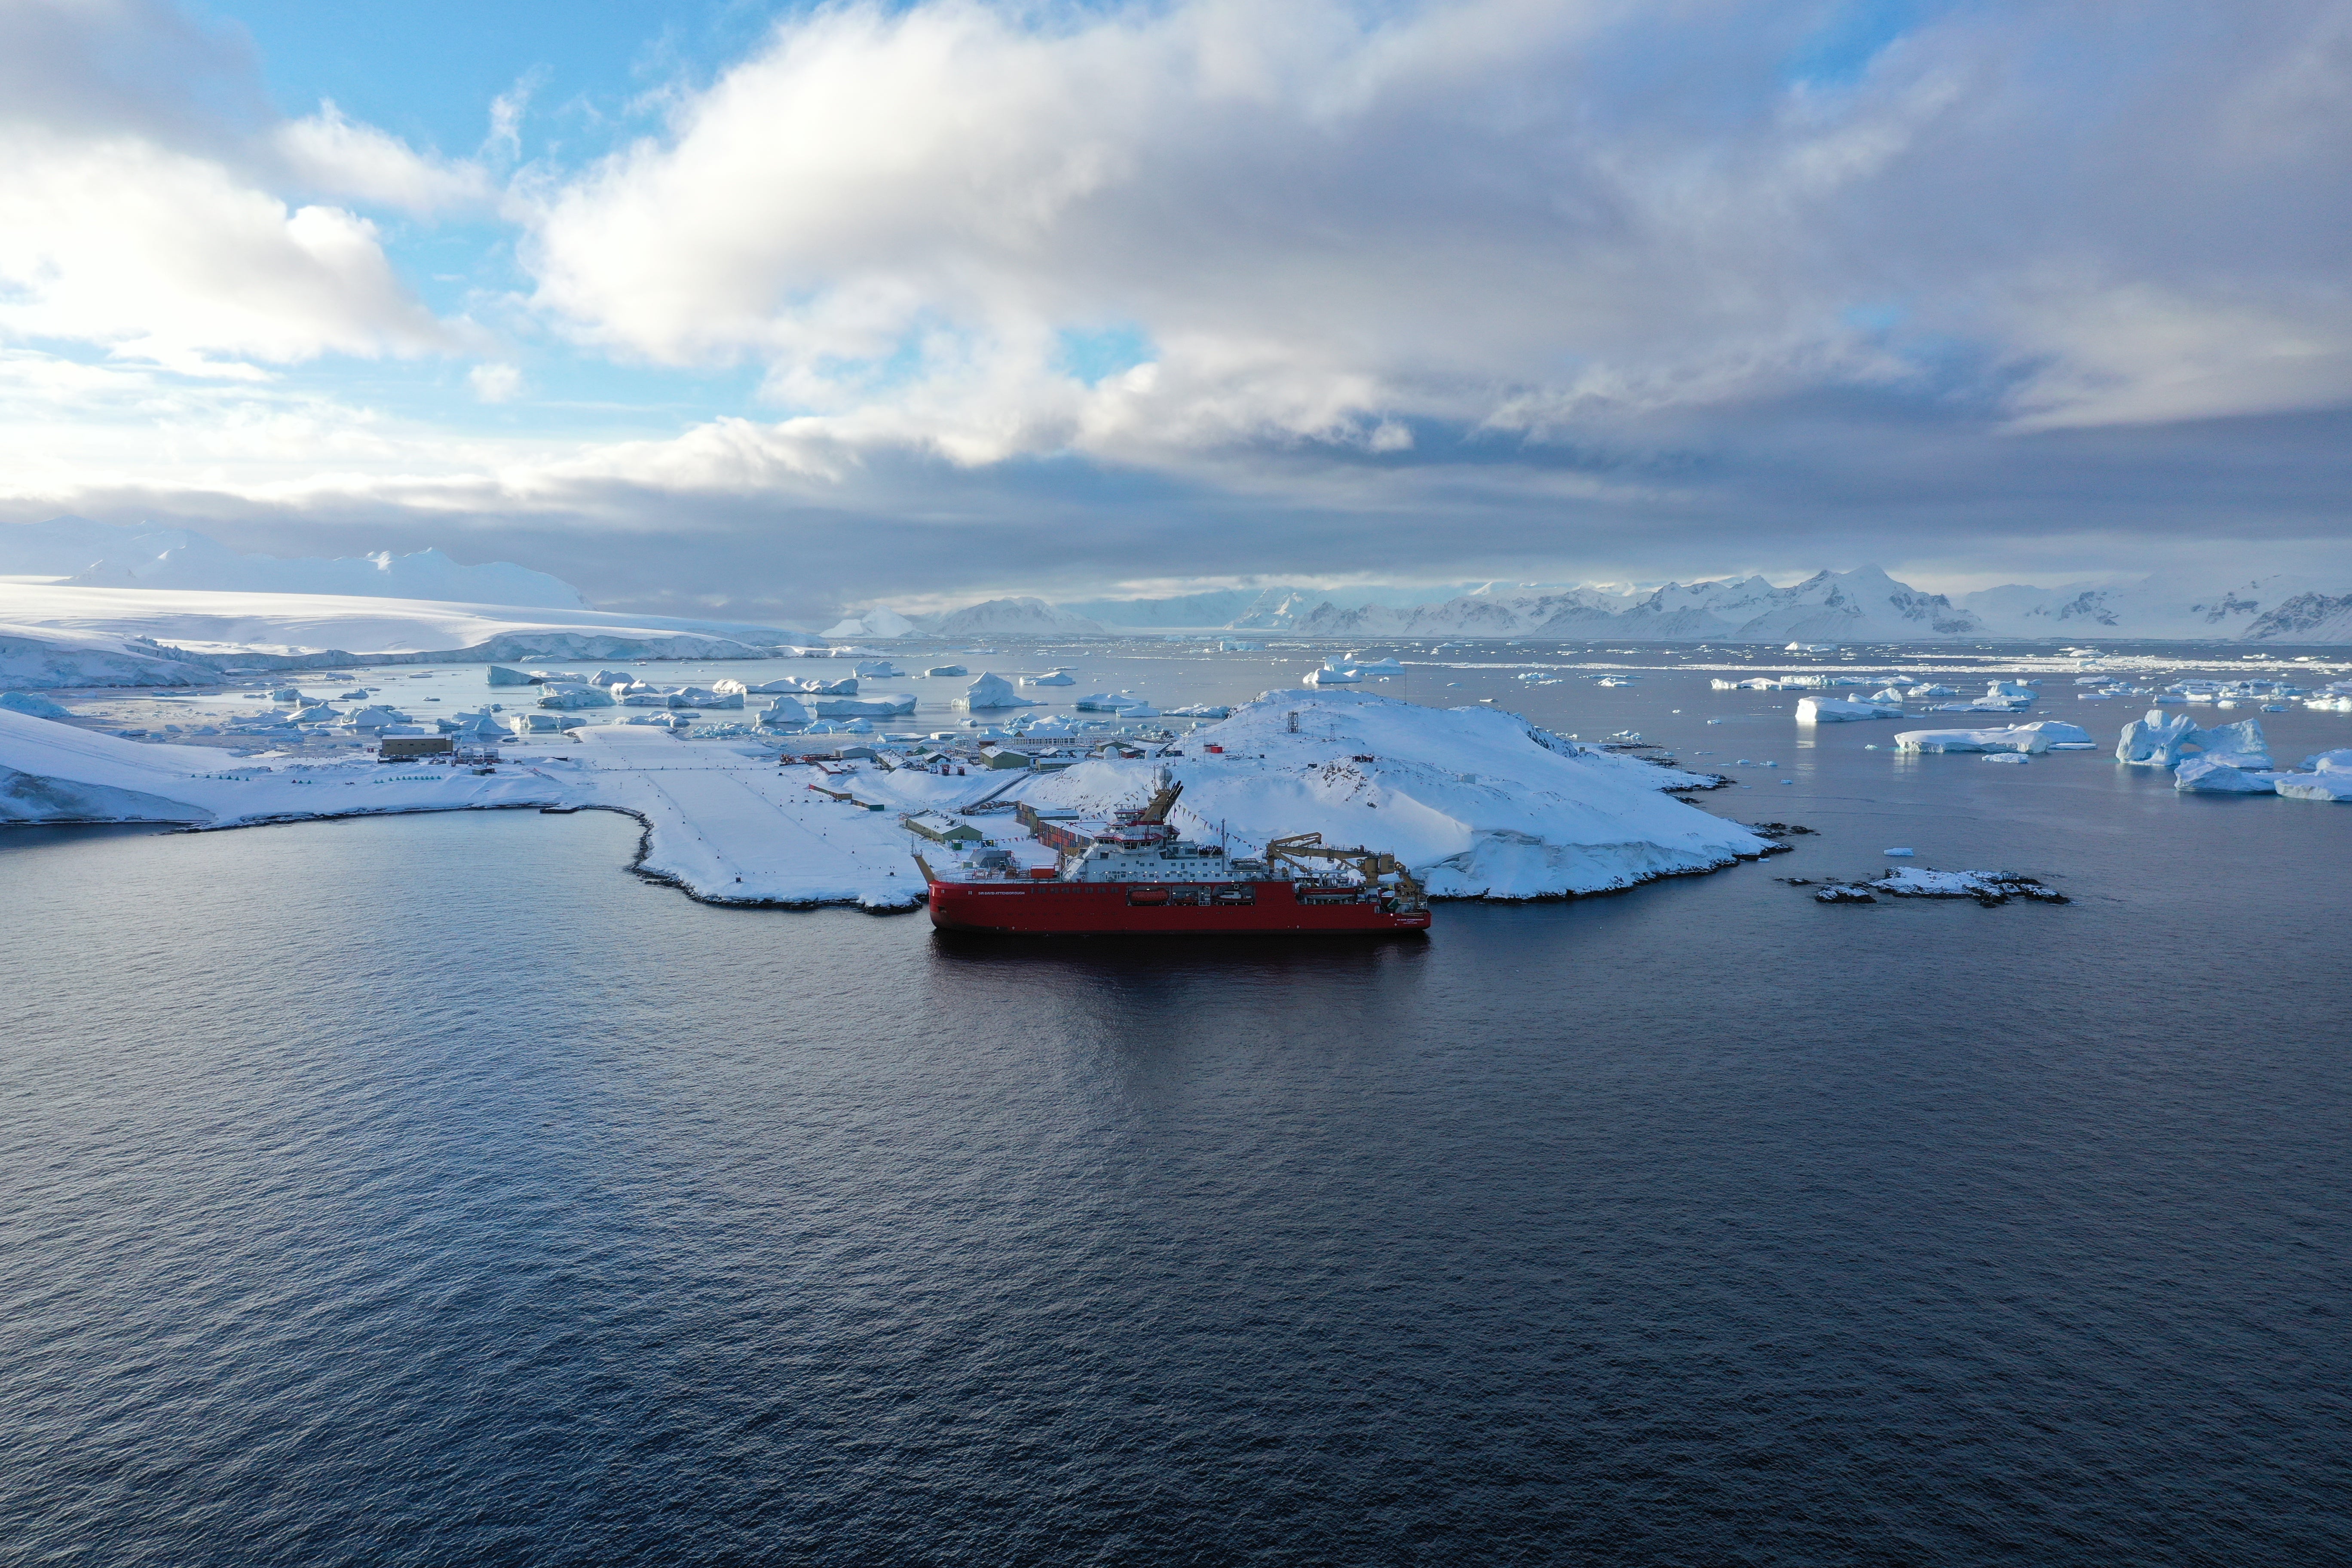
x: 2304, y: 617
x: 55, y: 773
x: 308, y: 623
x: 1466, y: 796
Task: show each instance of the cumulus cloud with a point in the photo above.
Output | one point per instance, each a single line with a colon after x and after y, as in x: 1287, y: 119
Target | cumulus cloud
x: 138, y: 210
x: 495, y: 383
x: 1530, y: 214
x: 327, y: 152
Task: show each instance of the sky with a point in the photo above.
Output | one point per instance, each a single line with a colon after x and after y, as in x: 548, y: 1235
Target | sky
x: 706, y: 304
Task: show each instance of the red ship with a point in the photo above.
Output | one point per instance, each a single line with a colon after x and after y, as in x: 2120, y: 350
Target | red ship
x: 1136, y: 876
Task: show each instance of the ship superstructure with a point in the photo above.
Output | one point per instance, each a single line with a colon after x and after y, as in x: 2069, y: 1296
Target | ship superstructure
x: 1135, y: 874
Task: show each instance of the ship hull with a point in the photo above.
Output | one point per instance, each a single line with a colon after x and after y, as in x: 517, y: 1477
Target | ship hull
x: 1132, y: 909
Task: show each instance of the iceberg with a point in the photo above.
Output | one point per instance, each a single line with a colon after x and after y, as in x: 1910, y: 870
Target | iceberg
x: 878, y: 707
x: 990, y: 691
x: 783, y: 711
x: 2162, y: 740
x: 1107, y: 702
x: 2327, y: 785
x: 33, y: 707
x: 2034, y: 737
x: 501, y: 675
x: 938, y: 671
x: 2213, y: 775
x: 581, y: 695
x: 1332, y: 675
x: 2337, y: 761
x: 1835, y: 710
x: 1051, y: 677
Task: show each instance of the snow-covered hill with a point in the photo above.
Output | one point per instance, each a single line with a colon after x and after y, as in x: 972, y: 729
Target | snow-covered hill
x: 1476, y: 801
x: 96, y: 554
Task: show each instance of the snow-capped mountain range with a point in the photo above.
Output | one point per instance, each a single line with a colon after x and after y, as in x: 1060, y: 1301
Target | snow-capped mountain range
x: 1864, y: 606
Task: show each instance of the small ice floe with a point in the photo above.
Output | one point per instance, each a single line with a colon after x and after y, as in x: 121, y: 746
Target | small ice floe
x: 1109, y: 702
x: 1900, y: 853
x: 1051, y: 677
x: 1986, y: 887
x: 2018, y: 757
x: 1200, y: 711
x: 938, y: 671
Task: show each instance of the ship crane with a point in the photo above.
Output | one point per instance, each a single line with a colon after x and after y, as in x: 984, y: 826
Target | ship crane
x: 1372, y: 865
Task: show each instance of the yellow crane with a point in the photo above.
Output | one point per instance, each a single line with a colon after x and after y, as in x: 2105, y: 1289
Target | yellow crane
x: 1372, y: 865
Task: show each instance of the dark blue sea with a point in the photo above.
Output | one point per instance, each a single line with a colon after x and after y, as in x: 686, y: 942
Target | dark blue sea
x: 422, y: 1191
